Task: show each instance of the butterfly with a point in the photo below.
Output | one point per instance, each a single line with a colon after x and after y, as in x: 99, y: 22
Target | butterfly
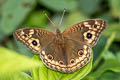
x: 65, y: 51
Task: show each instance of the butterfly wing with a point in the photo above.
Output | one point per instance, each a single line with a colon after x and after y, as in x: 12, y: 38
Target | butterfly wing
x: 34, y: 38
x: 87, y: 31
x: 66, y: 57
x: 70, y: 51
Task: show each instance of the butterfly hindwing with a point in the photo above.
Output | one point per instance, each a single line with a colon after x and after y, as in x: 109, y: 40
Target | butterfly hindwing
x: 67, y: 57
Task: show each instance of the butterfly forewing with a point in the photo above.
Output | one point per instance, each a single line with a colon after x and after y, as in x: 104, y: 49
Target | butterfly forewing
x: 87, y: 31
x: 34, y: 38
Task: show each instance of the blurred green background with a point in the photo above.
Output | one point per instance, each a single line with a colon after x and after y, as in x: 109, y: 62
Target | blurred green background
x: 15, y: 14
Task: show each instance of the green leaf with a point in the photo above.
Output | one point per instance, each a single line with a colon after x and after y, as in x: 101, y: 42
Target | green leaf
x: 109, y: 42
x: 43, y: 74
x: 16, y: 76
x: 99, y: 47
x: 109, y: 55
x: 110, y: 64
x: 110, y: 76
x: 59, y: 5
x: 35, y: 71
x: 115, y: 47
x: 113, y: 28
x: 11, y: 62
x: 37, y: 19
x: 13, y: 13
x: 88, y: 6
x: 22, y: 49
x: 118, y: 56
x: 106, y: 16
x: 48, y: 74
x: 115, y: 7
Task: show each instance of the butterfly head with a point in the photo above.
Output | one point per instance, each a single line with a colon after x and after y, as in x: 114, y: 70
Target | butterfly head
x: 58, y: 32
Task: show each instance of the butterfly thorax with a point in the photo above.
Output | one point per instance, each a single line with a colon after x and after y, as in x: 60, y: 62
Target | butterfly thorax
x: 58, y: 32
x: 59, y: 37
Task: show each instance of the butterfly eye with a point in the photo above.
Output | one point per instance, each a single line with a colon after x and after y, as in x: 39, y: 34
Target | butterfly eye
x: 95, y: 26
x: 34, y: 42
x: 89, y: 35
x: 72, y: 61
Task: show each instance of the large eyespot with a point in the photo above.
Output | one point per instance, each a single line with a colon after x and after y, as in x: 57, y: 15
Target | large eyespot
x: 80, y: 52
x: 50, y: 56
x: 89, y: 35
x: 72, y: 61
x: 61, y: 62
x: 34, y: 42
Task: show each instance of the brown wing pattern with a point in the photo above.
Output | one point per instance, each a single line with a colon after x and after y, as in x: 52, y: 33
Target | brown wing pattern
x: 66, y: 57
x: 87, y: 31
x: 34, y: 38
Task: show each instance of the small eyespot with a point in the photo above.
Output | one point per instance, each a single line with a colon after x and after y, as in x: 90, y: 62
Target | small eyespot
x: 34, y: 42
x: 25, y: 35
x: 80, y: 52
x: 95, y: 26
x: 50, y: 57
x: 72, y: 61
x: 61, y: 62
x: 89, y: 35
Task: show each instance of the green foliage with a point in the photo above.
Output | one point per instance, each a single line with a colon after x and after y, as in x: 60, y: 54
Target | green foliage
x: 12, y: 62
x: 59, y: 5
x: 16, y: 76
x: 15, y: 60
x: 113, y: 28
x: 13, y: 14
x: 92, y: 6
x: 115, y: 7
x: 37, y: 19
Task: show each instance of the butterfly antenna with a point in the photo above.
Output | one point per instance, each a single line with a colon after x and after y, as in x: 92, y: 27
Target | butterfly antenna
x: 62, y: 17
x: 49, y: 19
